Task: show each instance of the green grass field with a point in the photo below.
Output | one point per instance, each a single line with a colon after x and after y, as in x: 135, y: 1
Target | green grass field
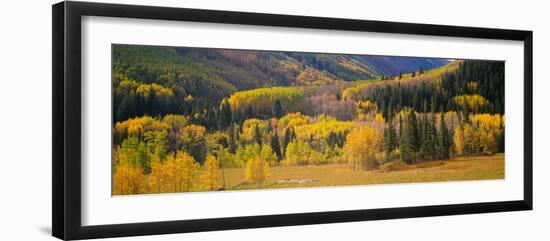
x: 458, y: 169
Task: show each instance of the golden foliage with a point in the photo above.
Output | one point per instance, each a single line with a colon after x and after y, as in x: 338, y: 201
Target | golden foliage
x: 250, y: 126
x: 176, y: 174
x: 268, y: 154
x: 363, y: 144
x: 176, y: 122
x: 489, y: 128
x: 323, y: 128
x: 312, y: 76
x: 481, y: 136
x: 192, y: 132
x: 292, y: 120
x: 472, y: 86
x: 261, y: 101
x: 458, y: 139
x: 153, y: 89
x: 301, y: 153
x: 257, y: 170
x: 245, y: 153
x: 365, y: 107
x: 139, y: 125
x: 471, y: 102
x: 127, y: 179
x: 211, y: 174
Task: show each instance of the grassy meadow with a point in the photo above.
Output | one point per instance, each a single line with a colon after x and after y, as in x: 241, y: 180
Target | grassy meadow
x: 456, y: 169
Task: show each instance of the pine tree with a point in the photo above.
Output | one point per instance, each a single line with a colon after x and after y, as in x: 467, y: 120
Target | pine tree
x: 287, y: 138
x: 341, y: 139
x: 257, y: 135
x: 390, y: 138
x: 409, y: 139
x: 413, y: 131
x: 405, y: 149
x: 444, y: 141
x: 423, y: 130
x: 211, y: 118
x: 233, y: 142
x: 277, y: 109
x: 224, y: 114
x: 432, y: 137
x: 275, y: 146
x: 332, y: 139
x: 400, y: 127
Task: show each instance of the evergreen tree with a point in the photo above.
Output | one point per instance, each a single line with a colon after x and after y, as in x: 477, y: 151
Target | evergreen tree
x: 233, y: 142
x: 413, y: 131
x: 275, y: 145
x: 400, y: 127
x: 390, y: 138
x: 406, y: 150
x: 277, y: 109
x: 444, y: 140
x: 341, y: 139
x: 423, y: 130
x: 287, y: 138
x: 211, y: 119
x: 257, y: 135
x: 409, y: 139
x: 431, y: 138
x: 224, y: 114
x: 332, y: 139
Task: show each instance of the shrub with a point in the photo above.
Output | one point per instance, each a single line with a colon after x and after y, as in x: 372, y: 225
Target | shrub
x: 392, y: 166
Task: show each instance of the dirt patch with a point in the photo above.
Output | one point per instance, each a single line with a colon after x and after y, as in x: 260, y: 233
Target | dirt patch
x: 301, y: 181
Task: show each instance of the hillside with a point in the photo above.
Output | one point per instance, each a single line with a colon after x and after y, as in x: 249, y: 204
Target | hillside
x: 395, y: 65
x: 156, y: 80
x: 362, y: 90
x: 472, y: 86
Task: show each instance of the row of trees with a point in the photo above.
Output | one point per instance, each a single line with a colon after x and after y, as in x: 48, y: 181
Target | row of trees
x: 180, y: 172
x: 146, y: 161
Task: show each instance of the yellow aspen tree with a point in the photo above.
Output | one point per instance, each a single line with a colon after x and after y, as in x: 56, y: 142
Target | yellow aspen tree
x: 127, y: 179
x: 211, y: 174
x: 257, y: 170
x: 488, y: 142
x: 458, y: 139
x: 471, y: 140
x: 159, y: 178
x: 362, y: 147
x: 489, y: 128
x: 187, y: 169
x: 176, y: 174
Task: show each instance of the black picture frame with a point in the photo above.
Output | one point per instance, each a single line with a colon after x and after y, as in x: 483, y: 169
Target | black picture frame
x: 66, y: 127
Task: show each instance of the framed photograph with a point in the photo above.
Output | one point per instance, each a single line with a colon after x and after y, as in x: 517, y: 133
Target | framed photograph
x: 170, y: 120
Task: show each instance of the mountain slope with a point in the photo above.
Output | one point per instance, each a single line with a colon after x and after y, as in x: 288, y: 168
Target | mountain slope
x: 395, y: 65
x: 155, y: 80
x: 246, y: 69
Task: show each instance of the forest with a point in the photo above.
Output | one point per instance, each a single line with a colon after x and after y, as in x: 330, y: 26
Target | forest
x: 210, y: 120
